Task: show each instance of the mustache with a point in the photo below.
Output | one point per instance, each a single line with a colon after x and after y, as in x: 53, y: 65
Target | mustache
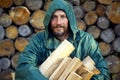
x: 58, y: 26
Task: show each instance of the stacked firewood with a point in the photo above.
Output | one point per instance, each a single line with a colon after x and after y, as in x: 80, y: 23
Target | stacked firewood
x: 21, y: 19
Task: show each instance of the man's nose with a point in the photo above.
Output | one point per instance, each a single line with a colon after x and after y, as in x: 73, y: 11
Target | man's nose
x: 59, y: 21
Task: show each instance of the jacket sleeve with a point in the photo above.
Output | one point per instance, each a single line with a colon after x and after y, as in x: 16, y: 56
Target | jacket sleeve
x: 100, y: 63
x: 27, y: 68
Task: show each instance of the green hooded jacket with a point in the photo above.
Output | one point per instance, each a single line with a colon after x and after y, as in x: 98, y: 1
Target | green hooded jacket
x: 42, y: 44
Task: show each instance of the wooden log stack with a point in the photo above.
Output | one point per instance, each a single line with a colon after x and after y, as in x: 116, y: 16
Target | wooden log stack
x: 20, y: 19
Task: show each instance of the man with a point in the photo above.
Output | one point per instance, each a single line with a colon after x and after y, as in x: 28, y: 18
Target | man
x: 60, y: 24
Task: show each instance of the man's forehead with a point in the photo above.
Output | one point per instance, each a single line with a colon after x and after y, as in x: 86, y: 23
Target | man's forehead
x: 59, y: 12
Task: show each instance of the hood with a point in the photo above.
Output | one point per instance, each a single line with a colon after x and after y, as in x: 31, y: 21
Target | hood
x: 67, y: 8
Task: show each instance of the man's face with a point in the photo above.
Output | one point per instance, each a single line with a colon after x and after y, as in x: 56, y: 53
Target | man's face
x: 59, y: 23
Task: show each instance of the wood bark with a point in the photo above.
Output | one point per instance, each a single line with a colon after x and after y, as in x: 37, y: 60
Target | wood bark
x: 6, y: 47
x: 11, y: 32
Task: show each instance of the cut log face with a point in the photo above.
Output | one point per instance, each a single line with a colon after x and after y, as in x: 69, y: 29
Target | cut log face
x: 106, y: 2
x: 5, y: 20
x: 94, y: 31
x: 4, y: 63
x: 34, y: 4
x: 107, y: 35
x: 113, y: 64
x: 24, y: 30
x: 37, y: 19
x: 103, y: 22
x: 116, y: 44
x: 1, y: 10
x: 100, y: 10
x: 81, y: 25
x: 14, y: 60
x: 6, y: 3
x: 2, y: 32
x: 20, y: 43
x: 46, y: 5
x: 6, y: 47
x: 12, y: 32
x: 89, y: 5
x: 105, y: 48
x: 113, y: 12
x: 19, y: 2
x: 117, y: 30
x: 90, y: 18
x: 20, y: 15
x: 79, y: 12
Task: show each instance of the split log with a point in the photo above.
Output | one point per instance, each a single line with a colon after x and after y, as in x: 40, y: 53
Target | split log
x: 116, y: 44
x: 14, y: 60
x: 6, y: 47
x: 74, y: 76
x: 62, y: 51
x: 46, y: 5
x: 81, y: 25
x: 7, y: 75
x: 106, y: 2
x: 5, y: 20
x: 100, y: 10
x: 113, y: 12
x: 107, y: 35
x: 103, y: 22
x: 20, y: 43
x: 19, y: 2
x: 72, y: 67
x: 4, y: 63
x: 94, y: 31
x: 34, y: 4
x: 24, y: 30
x: 105, y: 48
x: 58, y: 72
x: 113, y: 63
x: 6, y: 3
x: 89, y: 5
x: 20, y: 15
x: 79, y: 12
x: 1, y: 11
x: 2, y: 32
x: 37, y: 19
x: 90, y: 18
x: 12, y: 32
x: 117, y: 30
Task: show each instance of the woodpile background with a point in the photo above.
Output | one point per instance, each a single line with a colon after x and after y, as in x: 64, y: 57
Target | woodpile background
x: 20, y: 19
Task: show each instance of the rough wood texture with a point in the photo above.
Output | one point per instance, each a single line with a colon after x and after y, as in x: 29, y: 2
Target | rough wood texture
x: 24, y: 30
x: 116, y: 44
x: 12, y: 32
x: 75, y: 2
x: 113, y: 63
x: 100, y: 10
x: 6, y: 47
x: 81, y: 25
x: 20, y: 43
x: 37, y: 19
x: 117, y: 30
x: 113, y: 12
x: 19, y: 2
x: 90, y: 18
x: 79, y: 12
x: 94, y: 31
x: 107, y: 35
x: 46, y: 5
x: 89, y: 5
x: 5, y: 20
x: 105, y: 48
x: 1, y: 10
x: 60, y: 69
x: 106, y: 2
x: 4, y: 63
x: 6, y: 3
x: 62, y: 51
x: 20, y: 15
x: 14, y: 60
x: 74, y: 76
x: 34, y: 4
x: 2, y: 32
x: 73, y: 66
x: 103, y: 22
